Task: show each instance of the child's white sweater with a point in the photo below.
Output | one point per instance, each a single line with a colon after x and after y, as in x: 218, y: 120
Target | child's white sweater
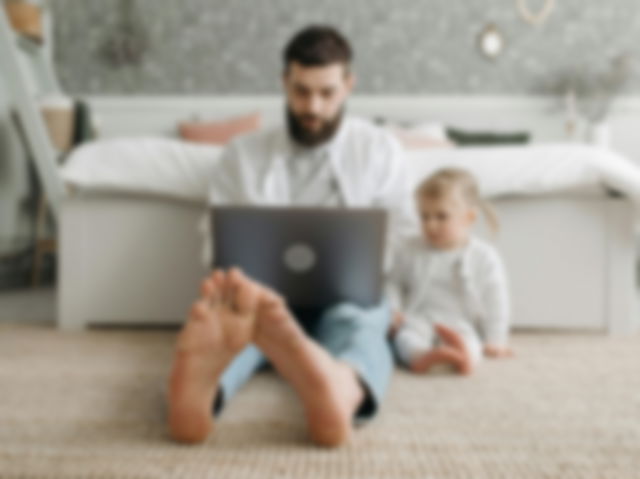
x: 468, y: 283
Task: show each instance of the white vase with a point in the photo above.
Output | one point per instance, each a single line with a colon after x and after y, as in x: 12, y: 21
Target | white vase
x: 599, y: 134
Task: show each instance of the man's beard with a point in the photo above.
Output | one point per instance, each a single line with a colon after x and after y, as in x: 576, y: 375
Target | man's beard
x: 305, y: 137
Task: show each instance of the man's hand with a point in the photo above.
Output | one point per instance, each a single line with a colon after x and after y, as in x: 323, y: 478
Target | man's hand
x: 493, y: 351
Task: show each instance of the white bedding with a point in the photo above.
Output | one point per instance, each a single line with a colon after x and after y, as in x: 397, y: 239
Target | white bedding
x: 182, y: 170
x: 159, y: 166
x: 535, y: 169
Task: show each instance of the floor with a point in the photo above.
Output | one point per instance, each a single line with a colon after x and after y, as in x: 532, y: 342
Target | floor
x: 91, y: 404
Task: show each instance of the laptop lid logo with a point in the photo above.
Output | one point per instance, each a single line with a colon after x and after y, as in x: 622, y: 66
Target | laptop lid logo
x: 299, y: 258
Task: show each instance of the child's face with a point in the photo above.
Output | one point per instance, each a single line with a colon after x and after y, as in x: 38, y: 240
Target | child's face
x: 446, y: 221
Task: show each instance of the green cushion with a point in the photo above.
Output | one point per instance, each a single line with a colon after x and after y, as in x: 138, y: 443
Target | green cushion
x: 469, y: 138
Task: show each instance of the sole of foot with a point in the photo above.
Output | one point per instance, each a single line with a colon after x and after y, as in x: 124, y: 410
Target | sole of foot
x: 329, y: 389
x: 220, y: 324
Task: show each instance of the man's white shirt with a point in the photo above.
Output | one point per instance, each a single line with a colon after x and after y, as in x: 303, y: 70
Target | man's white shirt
x: 361, y: 166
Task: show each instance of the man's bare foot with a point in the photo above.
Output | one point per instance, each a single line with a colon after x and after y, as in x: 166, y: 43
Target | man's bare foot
x: 329, y: 389
x: 453, y: 352
x: 219, y: 326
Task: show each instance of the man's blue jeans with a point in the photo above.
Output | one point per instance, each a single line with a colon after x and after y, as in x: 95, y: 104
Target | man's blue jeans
x: 353, y: 334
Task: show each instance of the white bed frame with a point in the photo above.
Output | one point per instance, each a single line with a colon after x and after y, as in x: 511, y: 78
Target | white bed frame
x: 128, y: 259
x: 137, y: 260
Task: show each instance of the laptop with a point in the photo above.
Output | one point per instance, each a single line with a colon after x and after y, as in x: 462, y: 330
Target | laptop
x: 314, y: 257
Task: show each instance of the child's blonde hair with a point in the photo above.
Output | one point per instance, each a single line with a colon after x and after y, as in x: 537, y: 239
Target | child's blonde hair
x: 446, y: 180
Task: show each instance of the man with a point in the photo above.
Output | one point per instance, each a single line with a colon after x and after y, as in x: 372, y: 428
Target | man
x: 337, y: 360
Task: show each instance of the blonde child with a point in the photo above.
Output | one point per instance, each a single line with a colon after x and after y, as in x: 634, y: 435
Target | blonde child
x: 448, y: 287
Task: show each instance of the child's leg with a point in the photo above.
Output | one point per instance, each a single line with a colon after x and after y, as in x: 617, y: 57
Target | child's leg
x: 462, y: 339
x: 410, y: 344
x: 416, y: 350
x: 472, y: 342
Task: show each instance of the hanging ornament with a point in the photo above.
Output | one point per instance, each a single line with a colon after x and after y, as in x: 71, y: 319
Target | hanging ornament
x: 490, y: 41
x: 128, y: 42
x: 538, y: 17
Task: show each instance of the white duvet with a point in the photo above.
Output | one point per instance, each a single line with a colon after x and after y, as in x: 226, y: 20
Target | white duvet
x: 536, y: 169
x: 159, y: 166
x: 177, y: 169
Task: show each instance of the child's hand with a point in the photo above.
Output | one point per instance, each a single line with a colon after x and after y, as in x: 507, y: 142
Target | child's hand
x: 497, y: 351
x: 396, y: 323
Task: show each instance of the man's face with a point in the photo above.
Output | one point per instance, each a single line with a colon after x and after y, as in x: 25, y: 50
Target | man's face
x: 315, y: 100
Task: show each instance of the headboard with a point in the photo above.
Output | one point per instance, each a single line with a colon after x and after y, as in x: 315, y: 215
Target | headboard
x: 159, y: 115
x: 541, y: 116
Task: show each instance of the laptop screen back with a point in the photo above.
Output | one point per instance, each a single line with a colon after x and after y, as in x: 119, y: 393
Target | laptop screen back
x: 313, y: 257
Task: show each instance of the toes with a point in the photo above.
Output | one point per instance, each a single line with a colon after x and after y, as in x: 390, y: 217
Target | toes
x: 246, y: 299
x: 234, y: 277
x: 218, y: 279
x: 270, y: 299
x: 271, y: 306
x: 211, y: 288
x: 221, y: 281
x: 440, y: 355
x: 466, y: 368
x: 450, y: 337
x: 208, y: 289
x: 243, y: 294
x: 198, y: 310
x: 229, y: 284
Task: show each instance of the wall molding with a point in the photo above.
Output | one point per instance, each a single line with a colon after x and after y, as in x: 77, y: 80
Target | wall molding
x: 626, y: 101
x: 543, y: 116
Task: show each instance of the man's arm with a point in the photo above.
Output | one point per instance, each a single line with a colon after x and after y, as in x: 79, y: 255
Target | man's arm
x: 394, y: 193
x: 228, y: 184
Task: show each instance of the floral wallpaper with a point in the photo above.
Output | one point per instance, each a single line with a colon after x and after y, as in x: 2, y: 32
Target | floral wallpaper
x: 402, y: 47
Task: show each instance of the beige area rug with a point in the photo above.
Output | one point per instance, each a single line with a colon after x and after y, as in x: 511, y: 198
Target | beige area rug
x: 89, y: 405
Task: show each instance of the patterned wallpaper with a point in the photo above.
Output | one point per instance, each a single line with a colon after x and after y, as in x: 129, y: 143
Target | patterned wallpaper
x: 402, y: 46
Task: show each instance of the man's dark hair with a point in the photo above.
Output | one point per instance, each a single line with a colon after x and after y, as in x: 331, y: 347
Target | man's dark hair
x: 318, y: 45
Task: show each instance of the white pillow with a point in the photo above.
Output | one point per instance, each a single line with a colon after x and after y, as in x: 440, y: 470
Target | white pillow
x: 422, y: 136
x: 434, y: 131
x: 143, y: 165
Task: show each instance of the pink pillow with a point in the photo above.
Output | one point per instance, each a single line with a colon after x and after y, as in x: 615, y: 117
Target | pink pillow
x: 218, y: 132
x: 417, y: 140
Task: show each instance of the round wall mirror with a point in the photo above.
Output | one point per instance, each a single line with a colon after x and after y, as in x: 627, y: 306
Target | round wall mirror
x: 491, y: 42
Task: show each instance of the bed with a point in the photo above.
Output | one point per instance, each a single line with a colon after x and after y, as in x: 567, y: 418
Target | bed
x: 131, y: 251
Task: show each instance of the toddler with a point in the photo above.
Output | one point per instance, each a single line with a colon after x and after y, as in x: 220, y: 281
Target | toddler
x: 448, y: 287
